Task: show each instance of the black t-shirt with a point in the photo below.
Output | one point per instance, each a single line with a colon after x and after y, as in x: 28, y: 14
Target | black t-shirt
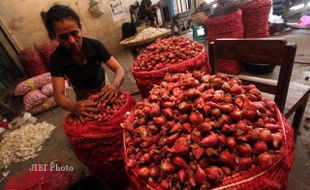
x: 142, y: 12
x: 83, y: 77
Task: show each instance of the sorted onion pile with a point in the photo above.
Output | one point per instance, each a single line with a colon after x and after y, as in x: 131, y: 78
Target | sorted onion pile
x: 105, y: 109
x: 194, y: 130
x: 146, y: 34
x: 23, y: 143
x: 166, y: 52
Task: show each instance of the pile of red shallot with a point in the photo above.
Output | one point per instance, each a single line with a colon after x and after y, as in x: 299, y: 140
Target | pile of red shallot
x: 166, y: 52
x: 195, y: 129
x: 105, y: 109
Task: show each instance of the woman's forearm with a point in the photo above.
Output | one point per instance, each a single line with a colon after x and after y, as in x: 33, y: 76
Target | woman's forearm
x: 118, y: 70
x: 119, y: 77
x: 65, y: 102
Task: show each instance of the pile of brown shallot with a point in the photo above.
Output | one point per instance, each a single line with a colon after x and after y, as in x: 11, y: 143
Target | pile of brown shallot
x: 105, y: 109
x: 195, y: 129
x: 166, y: 52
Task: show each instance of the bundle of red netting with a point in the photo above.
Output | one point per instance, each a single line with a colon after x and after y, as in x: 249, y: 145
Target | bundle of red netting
x: 197, y: 131
x: 49, y: 179
x: 97, y: 143
x: 226, y: 26
x: 255, y: 18
x: 32, y: 62
x: 171, y: 55
x: 46, y: 50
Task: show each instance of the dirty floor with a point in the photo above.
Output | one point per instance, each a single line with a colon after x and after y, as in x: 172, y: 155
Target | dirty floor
x: 58, y: 148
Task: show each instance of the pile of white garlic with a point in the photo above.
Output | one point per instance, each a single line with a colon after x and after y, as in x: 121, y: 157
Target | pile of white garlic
x: 23, y: 143
x: 148, y: 33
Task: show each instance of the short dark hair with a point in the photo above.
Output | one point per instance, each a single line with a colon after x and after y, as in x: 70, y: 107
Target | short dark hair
x: 59, y: 12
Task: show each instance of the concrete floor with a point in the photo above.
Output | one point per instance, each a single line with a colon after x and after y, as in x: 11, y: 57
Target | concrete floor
x: 57, y: 147
x: 299, y: 177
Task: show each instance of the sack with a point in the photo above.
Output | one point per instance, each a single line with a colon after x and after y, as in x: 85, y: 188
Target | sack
x: 146, y: 79
x: 47, y: 89
x: 31, y: 84
x: 46, y: 50
x: 226, y: 26
x: 99, y: 146
x: 48, y: 104
x: 33, y: 98
x: 255, y: 19
x: 273, y: 177
x: 228, y: 66
x: 32, y: 62
x: 36, y: 180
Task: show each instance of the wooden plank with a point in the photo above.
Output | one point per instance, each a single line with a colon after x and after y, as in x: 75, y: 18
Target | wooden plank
x: 10, y: 49
x: 295, y: 93
x: 269, y: 51
x: 212, y: 58
x: 265, y: 85
x: 285, y: 76
x: 270, y: 82
x: 5, y: 28
x: 261, y: 50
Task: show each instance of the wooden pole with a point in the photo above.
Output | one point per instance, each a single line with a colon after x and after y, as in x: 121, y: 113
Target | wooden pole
x: 8, y: 35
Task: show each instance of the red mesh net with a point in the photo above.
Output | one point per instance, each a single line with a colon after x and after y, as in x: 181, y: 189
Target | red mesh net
x: 32, y: 62
x: 274, y: 177
x: 255, y: 18
x: 256, y: 178
x: 50, y: 179
x: 228, y: 66
x: 146, y: 79
x: 99, y: 145
x: 226, y: 26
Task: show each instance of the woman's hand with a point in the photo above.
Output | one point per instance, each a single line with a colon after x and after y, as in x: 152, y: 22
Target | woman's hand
x: 109, y: 92
x: 82, y: 109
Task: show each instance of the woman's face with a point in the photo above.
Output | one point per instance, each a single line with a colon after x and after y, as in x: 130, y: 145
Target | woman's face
x: 68, y: 34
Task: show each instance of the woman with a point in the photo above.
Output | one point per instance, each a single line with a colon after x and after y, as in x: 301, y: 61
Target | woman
x: 79, y: 59
x: 148, y: 10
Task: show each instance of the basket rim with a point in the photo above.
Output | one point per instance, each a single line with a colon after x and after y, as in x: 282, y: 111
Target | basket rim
x: 141, y: 42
